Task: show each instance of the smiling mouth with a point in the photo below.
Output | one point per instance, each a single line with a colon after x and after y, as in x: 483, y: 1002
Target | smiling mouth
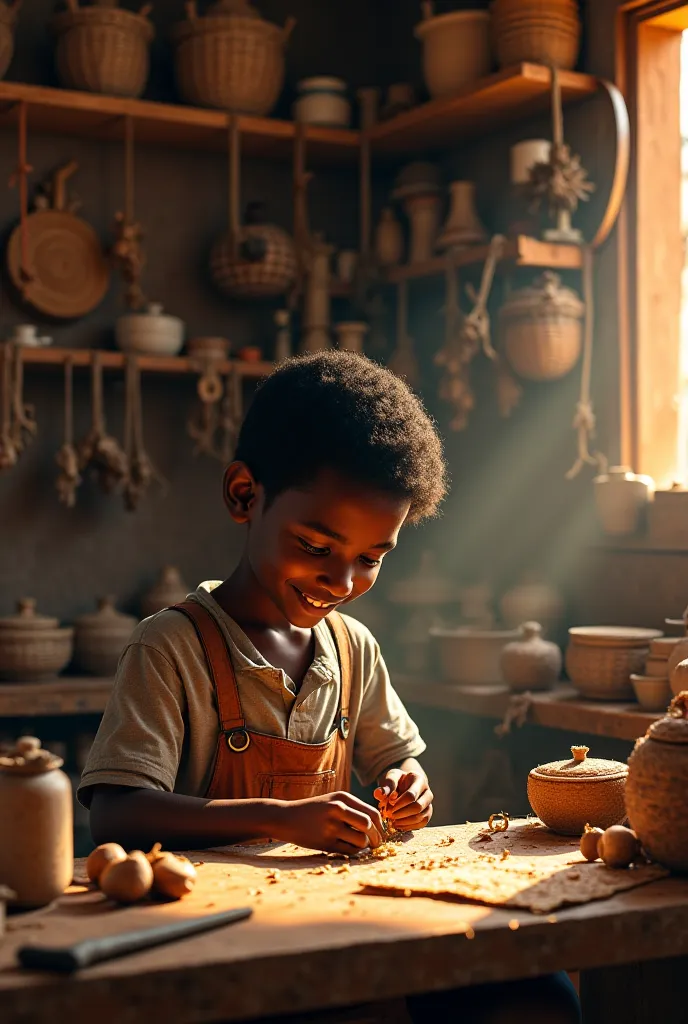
x: 313, y: 603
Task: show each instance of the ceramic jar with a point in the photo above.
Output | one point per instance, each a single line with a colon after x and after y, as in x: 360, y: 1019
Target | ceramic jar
x: 532, y: 600
x: 8, y: 14
x: 36, y: 844
x: 456, y: 49
x: 622, y: 500
x: 33, y: 647
x: 568, y: 795
x: 657, y: 786
x: 600, y: 660
x: 472, y: 657
x: 389, y: 239
x: 351, y: 336
x: 151, y: 333
x: 322, y: 101
x: 264, y: 263
x: 531, y: 663
x: 462, y: 227
x: 100, y: 638
x: 168, y: 590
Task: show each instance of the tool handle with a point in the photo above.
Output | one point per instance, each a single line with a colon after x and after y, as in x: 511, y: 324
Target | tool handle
x: 93, y: 951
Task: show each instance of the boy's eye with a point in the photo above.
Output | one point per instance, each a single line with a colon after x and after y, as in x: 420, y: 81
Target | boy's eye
x: 311, y: 548
x: 372, y: 562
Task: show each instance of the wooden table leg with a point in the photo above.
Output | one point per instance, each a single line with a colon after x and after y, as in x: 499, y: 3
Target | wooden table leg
x: 641, y: 993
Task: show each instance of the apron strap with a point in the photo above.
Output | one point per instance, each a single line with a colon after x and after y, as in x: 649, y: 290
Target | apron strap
x: 342, y: 642
x: 219, y: 665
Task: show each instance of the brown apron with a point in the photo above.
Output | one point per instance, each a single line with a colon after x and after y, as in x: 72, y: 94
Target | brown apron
x: 251, y: 764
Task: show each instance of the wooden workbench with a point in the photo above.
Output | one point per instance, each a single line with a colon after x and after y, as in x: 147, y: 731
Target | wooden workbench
x: 315, y: 942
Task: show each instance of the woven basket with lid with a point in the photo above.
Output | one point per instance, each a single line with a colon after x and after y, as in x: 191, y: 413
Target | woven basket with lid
x: 542, y: 329
x: 103, y: 48
x: 100, y: 637
x: 657, y: 787
x: 33, y: 647
x: 231, y: 59
x: 567, y: 795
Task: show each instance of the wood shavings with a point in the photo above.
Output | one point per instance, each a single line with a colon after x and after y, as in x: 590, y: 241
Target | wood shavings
x: 514, y: 925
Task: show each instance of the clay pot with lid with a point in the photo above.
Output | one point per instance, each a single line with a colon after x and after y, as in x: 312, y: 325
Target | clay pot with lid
x: 567, y: 795
x: 531, y: 663
x: 622, y: 499
x: 36, y: 844
x: 168, y: 590
x: 100, y: 637
x: 33, y: 647
x: 657, y: 786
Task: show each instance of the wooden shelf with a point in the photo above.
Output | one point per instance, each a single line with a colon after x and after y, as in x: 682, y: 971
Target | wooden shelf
x: 508, y: 95
x: 78, y: 695
x: 154, y: 364
x: 101, y: 118
x: 561, y: 708
x: 522, y: 251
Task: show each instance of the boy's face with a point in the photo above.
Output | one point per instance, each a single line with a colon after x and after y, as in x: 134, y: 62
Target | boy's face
x: 315, y: 547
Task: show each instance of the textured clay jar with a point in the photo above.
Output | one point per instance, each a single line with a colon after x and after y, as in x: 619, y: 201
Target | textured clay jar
x: 657, y: 786
x: 170, y: 589
x: 567, y: 795
x: 101, y: 637
x: 36, y: 843
x: 531, y: 663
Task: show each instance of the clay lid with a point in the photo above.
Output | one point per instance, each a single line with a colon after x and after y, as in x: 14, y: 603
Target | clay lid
x: 107, y: 617
x: 27, y: 618
x: 28, y: 758
x: 613, y: 636
x: 546, y: 294
x: 581, y: 768
x: 673, y: 728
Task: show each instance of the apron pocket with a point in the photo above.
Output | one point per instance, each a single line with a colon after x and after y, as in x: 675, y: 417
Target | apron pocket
x: 297, y: 787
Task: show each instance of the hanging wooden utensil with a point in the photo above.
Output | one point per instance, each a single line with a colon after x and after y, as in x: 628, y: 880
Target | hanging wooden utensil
x: 55, y: 259
x: 68, y: 478
x: 24, y: 427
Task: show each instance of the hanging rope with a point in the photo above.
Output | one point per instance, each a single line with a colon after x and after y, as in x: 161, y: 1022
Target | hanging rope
x: 21, y: 178
x: 234, y: 184
x: 584, y: 419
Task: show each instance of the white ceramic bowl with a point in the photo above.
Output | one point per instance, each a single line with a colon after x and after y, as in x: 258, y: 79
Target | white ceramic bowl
x: 471, y: 657
x: 651, y: 692
x: 152, y: 333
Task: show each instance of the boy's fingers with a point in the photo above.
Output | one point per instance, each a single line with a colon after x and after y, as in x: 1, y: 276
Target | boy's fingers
x: 362, y: 825
x: 411, y: 810
x: 363, y: 808
x: 412, y: 794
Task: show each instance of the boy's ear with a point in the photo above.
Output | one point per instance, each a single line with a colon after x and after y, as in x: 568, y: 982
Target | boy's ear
x: 240, y: 492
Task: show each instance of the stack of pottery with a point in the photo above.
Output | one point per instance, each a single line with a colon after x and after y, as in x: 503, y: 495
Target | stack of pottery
x: 231, y: 59
x: 652, y: 689
x: 322, y: 101
x: 151, y: 333
x: 530, y: 663
x: 536, y: 31
x: 100, y: 638
x: 103, y: 48
x: 532, y: 600
x: 542, y: 329
x: 425, y: 595
x: 33, y: 647
x: 600, y: 660
x: 462, y: 227
x: 263, y: 263
x: 456, y: 49
x: 622, y: 499
x: 8, y: 14
x: 567, y: 795
x: 168, y: 590
x: 418, y: 189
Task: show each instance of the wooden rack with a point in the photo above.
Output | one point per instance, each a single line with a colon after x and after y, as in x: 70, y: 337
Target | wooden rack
x: 154, y: 364
x: 521, y: 251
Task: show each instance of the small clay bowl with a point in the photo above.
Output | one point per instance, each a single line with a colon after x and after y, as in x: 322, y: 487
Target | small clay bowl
x: 568, y: 795
x: 209, y: 348
x: 652, y: 692
x: 250, y: 354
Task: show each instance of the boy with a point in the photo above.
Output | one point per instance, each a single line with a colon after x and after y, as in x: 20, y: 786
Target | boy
x: 239, y: 714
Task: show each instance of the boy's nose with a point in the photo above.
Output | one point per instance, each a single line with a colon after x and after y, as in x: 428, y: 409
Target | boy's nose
x: 338, y: 580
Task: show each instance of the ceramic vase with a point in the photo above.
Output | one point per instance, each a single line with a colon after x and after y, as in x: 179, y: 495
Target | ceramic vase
x: 389, y: 239
x: 423, y: 211
x: 462, y: 227
x: 351, y: 335
x: 531, y: 663
x: 622, y: 500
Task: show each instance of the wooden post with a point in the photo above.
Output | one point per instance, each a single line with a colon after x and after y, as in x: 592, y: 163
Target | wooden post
x: 234, y: 145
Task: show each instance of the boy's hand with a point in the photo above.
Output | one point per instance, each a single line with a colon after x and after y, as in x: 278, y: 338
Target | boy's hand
x: 335, y: 823
x: 405, y: 796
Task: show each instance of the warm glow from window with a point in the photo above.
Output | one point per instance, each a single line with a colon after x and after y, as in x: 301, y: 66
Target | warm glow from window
x: 682, y: 453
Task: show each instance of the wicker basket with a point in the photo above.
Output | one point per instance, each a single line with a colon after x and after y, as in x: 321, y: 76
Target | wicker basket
x: 103, y: 49
x: 7, y: 19
x: 536, y: 34
x: 566, y: 795
x: 231, y: 59
x: 33, y: 647
x: 604, y: 673
x: 542, y: 329
x: 264, y: 266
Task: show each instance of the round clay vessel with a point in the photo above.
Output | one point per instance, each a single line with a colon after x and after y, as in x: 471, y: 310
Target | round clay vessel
x: 657, y: 786
x: 36, y: 844
x: 652, y: 692
x: 33, y: 647
x: 621, y: 500
x: 100, y: 638
x: 657, y: 667
x: 532, y: 600
x: 170, y: 589
x: 471, y: 657
x: 531, y: 663
x: 567, y: 795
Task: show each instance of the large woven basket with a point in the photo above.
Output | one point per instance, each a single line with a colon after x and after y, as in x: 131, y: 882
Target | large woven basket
x: 7, y: 18
x: 539, y: 34
x: 103, y: 49
x: 231, y: 59
x: 264, y: 266
x: 542, y: 329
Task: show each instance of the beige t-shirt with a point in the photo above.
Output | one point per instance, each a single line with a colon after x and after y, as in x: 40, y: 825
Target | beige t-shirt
x: 160, y: 728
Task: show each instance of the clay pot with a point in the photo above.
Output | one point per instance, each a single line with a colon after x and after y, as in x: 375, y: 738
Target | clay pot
x: 389, y: 239
x: 567, y: 795
x: 532, y: 600
x: 657, y: 786
x: 170, y: 589
x: 36, y: 845
x: 471, y: 657
x: 652, y: 692
x: 531, y: 663
x: 100, y: 638
x: 462, y: 226
x: 32, y: 646
x: 150, y: 333
x: 600, y: 660
x: 622, y: 499
x: 456, y: 49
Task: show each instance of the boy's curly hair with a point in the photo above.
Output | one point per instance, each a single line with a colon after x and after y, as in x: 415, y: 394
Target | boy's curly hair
x: 338, y: 410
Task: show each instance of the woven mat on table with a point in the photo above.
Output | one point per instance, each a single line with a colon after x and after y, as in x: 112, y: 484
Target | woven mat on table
x: 531, y: 884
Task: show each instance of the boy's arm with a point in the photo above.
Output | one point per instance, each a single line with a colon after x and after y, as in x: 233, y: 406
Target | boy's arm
x: 138, y: 818
x: 405, y: 796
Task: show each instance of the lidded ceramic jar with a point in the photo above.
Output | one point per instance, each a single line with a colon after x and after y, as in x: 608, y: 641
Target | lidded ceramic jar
x: 567, y: 795
x: 532, y: 600
x: 151, y: 333
x: 168, y: 590
x: 264, y: 264
x: 622, y: 499
x: 33, y: 647
x: 531, y: 663
x: 100, y: 637
x: 36, y: 843
x: 657, y: 786
x: 322, y: 101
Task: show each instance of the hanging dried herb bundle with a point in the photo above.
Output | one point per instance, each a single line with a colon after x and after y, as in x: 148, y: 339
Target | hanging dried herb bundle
x: 142, y: 472
x: 98, y: 451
